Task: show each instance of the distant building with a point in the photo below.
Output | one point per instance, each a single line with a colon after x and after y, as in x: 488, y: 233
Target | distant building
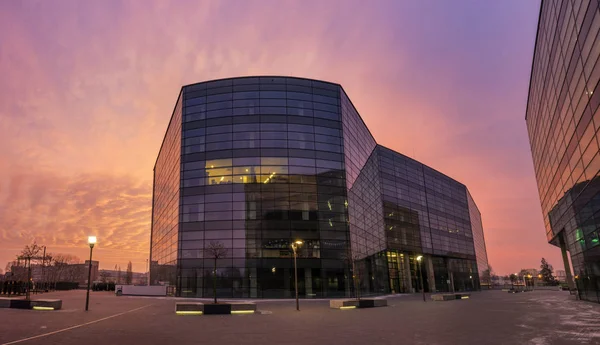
x: 500, y: 281
x: 75, y: 273
x: 560, y: 275
x: 529, y: 271
x: 112, y: 276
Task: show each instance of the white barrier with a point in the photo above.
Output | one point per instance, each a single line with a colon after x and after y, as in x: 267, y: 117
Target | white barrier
x: 141, y: 290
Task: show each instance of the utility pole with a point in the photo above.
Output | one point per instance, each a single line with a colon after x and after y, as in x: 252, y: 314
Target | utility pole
x: 44, y: 268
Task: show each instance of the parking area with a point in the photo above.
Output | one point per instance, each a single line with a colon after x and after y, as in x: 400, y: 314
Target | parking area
x: 489, y: 317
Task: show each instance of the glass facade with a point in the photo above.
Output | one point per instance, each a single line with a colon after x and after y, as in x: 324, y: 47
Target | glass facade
x: 165, y: 203
x: 265, y: 161
x: 562, y: 121
x: 478, y: 240
x: 427, y: 213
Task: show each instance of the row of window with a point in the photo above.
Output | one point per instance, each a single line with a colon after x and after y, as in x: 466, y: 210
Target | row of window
x: 263, y: 127
x: 265, y: 152
x: 323, y: 209
x: 239, y: 240
x: 298, y: 176
x: 253, y: 170
x: 266, y: 90
x: 259, y: 224
x: 266, y: 114
x: 250, y: 144
x: 281, y: 195
x: 269, y: 97
x: 262, y: 107
x: 263, y: 114
x: 264, y: 135
x: 255, y: 215
x: 246, y: 164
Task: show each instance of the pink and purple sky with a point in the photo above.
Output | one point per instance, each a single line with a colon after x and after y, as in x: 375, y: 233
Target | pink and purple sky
x: 87, y: 89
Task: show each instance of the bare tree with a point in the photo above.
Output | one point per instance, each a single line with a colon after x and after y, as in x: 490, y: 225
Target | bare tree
x: 216, y: 250
x: 30, y: 252
x: 104, y: 276
x: 16, y: 270
x: 356, y: 274
x: 486, y: 276
x: 119, y: 275
x: 352, y: 257
x: 64, y: 268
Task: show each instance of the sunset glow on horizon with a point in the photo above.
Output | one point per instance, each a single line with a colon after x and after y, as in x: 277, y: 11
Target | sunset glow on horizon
x: 87, y: 91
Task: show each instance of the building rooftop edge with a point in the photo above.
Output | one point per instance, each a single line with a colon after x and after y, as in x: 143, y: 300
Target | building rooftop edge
x: 260, y: 76
x: 167, y: 131
x: 423, y: 164
x: 308, y: 79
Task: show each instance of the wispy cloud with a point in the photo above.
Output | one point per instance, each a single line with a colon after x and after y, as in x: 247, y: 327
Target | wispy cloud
x: 87, y: 90
x: 61, y: 211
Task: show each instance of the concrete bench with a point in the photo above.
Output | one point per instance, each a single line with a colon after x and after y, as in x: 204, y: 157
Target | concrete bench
x: 6, y: 301
x: 443, y: 297
x: 450, y: 296
x: 189, y: 308
x: 194, y: 308
x: 46, y: 304
x: 343, y: 303
x: 38, y: 304
x: 352, y: 303
x: 243, y: 308
x: 372, y: 302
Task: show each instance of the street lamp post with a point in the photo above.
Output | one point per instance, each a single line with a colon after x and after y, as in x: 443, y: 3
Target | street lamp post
x: 91, y: 242
x: 419, y: 258
x: 295, y: 246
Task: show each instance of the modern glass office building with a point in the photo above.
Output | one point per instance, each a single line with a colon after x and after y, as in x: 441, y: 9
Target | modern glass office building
x: 256, y: 163
x: 563, y: 120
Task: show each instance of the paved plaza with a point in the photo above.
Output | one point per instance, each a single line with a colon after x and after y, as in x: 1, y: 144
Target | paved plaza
x: 489, y: 317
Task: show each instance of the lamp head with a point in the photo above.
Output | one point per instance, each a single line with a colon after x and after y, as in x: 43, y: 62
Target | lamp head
x: 419, y: 258
x: 299, y: 242
x: 91, y: 241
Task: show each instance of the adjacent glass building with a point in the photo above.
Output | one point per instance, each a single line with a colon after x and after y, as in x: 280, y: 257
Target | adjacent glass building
x: 563, y: 120
x: 255, y: 163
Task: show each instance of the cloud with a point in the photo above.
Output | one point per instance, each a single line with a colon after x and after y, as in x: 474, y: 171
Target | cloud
x: 61, y: 211
x: 88, y: 88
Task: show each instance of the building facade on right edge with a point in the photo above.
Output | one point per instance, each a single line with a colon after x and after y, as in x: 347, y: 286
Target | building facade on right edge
x: 562, y: 121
